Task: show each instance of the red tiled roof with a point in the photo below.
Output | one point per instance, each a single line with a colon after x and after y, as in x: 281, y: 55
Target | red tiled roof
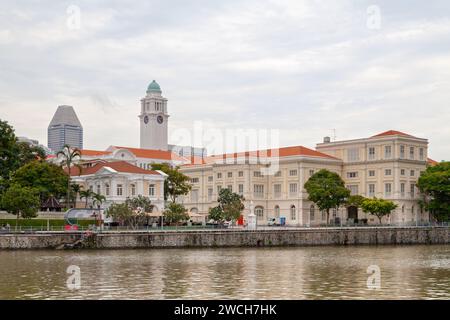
x: 432, y: 162
x: 120, y: 166
x: 152, y: 154
x: 93, y: 153
x: 393, y: 133
x: 269, y: 153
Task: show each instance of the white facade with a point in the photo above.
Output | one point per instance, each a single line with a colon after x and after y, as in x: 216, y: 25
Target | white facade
x: 154, y: 119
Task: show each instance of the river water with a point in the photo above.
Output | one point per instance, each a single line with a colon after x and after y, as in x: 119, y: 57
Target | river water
x: 405, y: 272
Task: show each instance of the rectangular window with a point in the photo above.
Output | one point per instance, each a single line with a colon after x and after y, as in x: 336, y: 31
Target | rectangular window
x: 353, y: 189
x: 151, y: 190
x: 218, y: 189
x: 119, y: 189
x: 421, y: 154
x: 353, y: 154
x: 371, y: 173
x: 402, y: 172
x: 230, y: 187
x: 387, y: 189
x: 107, y: 189
x: 194, y: 196
x: 388, y: 172
x: 278, y: 173
x: 352, y: 174
x: 387, y: 152
x: 210, y: 178
x: 412, y: 190
x: 371, y: 190
x: 412, y: 173
x: 219, y: 175
x: 194, y: 180
x: 210, y: 194
x: 411, y: 153
x: 293, y: 189
x: 292, y: 173
x: 133, y: 189
x: 371, y: 153
x: 241, y: 174
x: 230, y: 174
x: 241, y: 189
x: 311, y: 172
x: 402, y: 152
x: 277, y: 190
x: 402, y: 189
x: 98, y: 189
x: 258, y: 190
x: 257, y: 174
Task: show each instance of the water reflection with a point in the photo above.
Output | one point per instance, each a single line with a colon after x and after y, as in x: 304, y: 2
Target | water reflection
x: 407, y: 272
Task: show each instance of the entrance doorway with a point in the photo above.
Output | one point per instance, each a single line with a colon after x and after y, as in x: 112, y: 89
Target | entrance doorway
x: 352, y: 214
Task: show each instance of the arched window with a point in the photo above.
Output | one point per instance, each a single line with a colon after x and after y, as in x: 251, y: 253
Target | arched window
x: 293, y: 213
x: 311, y: 213
x: 107, y: 189
x: 194, y: 210
x: 277, y: 211
x: 259, y: 212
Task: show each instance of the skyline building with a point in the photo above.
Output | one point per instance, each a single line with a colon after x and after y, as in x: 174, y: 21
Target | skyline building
x: 65, y: 128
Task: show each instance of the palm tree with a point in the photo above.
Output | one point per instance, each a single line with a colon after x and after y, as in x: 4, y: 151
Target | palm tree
x: 98, y: 199
x: 87, y: 194
x: 76, y: 188
x: 69, y: 155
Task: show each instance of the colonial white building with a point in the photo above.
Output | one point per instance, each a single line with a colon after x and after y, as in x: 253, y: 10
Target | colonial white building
x: 119, y: 180
x: 386, y: 165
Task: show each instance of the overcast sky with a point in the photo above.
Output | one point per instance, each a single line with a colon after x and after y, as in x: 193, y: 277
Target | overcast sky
x: 300, y: 67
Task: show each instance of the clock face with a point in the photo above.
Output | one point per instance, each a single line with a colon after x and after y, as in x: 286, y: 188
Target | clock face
x: 160, y: 119
x: 146, y: 119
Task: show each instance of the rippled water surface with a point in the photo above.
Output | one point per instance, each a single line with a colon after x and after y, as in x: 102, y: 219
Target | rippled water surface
x: 407, y: 272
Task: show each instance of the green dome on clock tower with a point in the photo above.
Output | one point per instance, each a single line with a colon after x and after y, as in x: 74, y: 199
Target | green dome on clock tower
x: 153, y: 87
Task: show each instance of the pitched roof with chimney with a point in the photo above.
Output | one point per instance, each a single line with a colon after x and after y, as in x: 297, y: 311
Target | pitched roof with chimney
x: 119, y: 166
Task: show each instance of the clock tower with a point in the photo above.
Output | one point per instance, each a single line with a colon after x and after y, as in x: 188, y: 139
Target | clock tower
x: 153, y: 119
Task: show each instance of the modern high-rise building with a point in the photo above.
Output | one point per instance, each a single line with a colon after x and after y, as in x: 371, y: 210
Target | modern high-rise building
x: 65, y: 128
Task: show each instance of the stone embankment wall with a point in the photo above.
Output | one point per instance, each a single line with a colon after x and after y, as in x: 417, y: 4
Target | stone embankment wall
x: 229, y: 238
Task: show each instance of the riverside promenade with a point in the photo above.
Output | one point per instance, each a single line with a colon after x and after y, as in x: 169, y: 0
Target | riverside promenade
x: 262, y: 237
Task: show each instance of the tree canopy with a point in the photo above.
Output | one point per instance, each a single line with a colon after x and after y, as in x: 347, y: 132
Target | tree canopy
x: 177, y: 184
x: 378, y: 207
x: 133, y: 212
x: 229, y: 208
x: 327, y: 190
x: 434, y: 184
x: 48, y: 179
x: 175, y: 212
x: 21, y: 201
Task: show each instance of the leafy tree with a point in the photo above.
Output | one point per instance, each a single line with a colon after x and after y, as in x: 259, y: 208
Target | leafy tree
x: 48, y: 179
x: 98, y: 199
x: 21, y: 201
x: 229, y: 208
x: 176, y: 184
x: 69, y: 156
x: 175, y: 212
x: 327, y: 190
x: 133, y: 212
x: 9, y: 159
x: 355, y: 200
x: 86, y: 194
x: 434, y: 184
x: 378, y: 207
x: 29, y: 153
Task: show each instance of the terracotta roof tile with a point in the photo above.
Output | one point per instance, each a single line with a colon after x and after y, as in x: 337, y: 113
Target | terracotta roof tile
x: 432, y: 162
x: 393, y: 133
x: 152, y: 154
x: 93, y: 153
